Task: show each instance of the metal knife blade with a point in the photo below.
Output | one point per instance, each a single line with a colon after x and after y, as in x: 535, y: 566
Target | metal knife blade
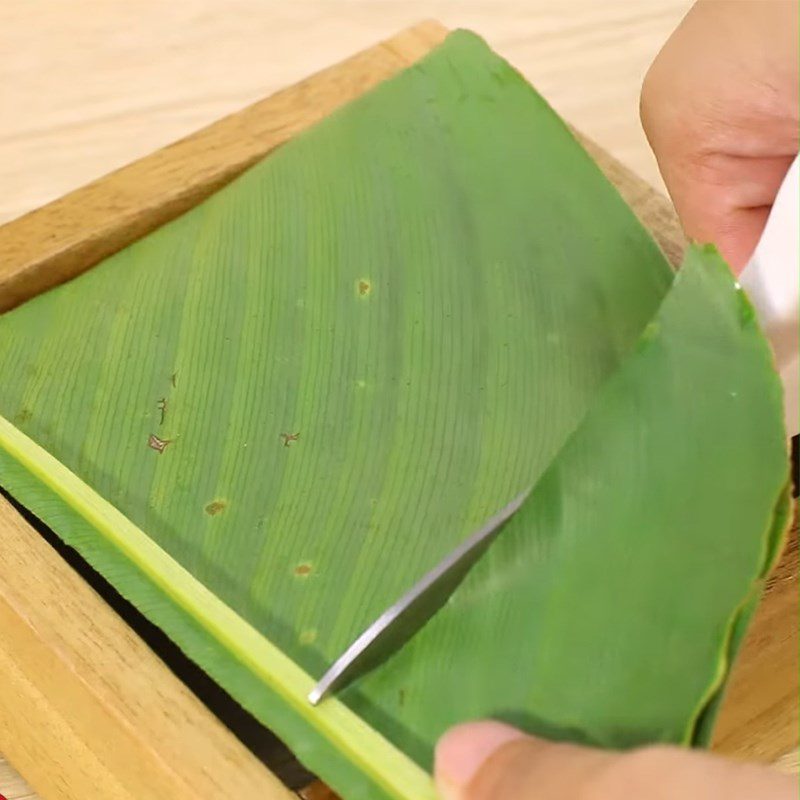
x: 395, y: 626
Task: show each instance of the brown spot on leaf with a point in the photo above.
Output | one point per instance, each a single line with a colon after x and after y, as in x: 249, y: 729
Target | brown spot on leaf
x: 159, y: 445
x: 364, y: 287
x: 303, y: 570
x: 215, y: 507
x: 162, y: 407
x: 23, y: 416
x: 308, y: 636
x: 288, y: 438
x: 173, y: 379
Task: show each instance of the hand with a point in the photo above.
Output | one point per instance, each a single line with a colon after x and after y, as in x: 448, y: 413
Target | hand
x: 491, y: 761
x: 720, y: 108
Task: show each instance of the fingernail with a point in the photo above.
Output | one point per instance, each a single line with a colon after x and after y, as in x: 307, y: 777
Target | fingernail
x: 462, y: 751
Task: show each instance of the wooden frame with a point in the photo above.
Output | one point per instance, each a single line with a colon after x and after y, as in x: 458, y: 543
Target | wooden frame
x: 86, y: 708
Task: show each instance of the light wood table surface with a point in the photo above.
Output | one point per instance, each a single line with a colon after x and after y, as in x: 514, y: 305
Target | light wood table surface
x: 86, y: 87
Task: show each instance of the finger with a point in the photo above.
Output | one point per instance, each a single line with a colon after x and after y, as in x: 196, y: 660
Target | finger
x: 736, y: 234
x: 725, y: 199
x: 490, y: 761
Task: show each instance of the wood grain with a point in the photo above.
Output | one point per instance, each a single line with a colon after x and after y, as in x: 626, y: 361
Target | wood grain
x: 86, y: 709
x: 82, y: 688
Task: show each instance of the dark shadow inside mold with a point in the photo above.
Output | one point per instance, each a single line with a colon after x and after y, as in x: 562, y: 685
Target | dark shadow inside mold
x: 264, y: 744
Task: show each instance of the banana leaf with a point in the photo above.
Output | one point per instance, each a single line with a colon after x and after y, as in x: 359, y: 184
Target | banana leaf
x: 264, y: 421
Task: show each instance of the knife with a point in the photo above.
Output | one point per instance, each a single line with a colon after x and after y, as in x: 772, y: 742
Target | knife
x: 395, y: 626
x: 772, y: 283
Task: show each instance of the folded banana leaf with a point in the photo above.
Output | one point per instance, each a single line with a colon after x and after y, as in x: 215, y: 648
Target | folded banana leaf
x: 264, y: 421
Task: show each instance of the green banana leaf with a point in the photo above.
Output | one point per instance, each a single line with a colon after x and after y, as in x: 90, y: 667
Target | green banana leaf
x: 266, y: 420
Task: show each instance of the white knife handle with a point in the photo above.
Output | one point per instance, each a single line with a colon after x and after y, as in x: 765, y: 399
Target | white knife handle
x: 772, y: 281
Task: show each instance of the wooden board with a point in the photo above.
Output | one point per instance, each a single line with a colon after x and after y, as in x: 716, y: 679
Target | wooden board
x: 86, y: 708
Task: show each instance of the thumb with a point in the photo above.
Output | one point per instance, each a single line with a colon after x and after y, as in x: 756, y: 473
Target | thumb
x: 490, y: 760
